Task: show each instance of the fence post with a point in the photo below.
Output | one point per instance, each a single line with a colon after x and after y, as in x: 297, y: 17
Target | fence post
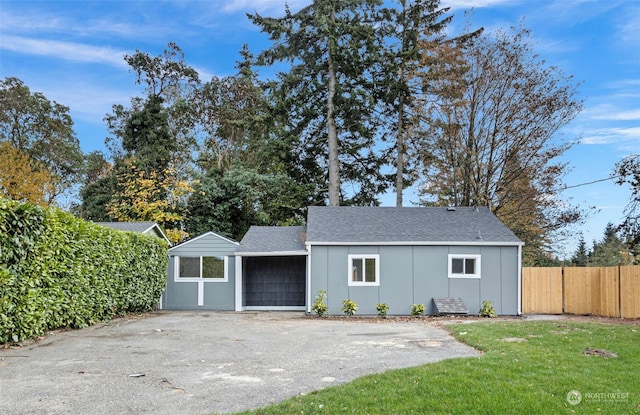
x: 619, y: 292
x: 563, y: 296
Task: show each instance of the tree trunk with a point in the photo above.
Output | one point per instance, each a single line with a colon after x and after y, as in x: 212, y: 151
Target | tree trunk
x: 400, y: 150
x: 332, y: 136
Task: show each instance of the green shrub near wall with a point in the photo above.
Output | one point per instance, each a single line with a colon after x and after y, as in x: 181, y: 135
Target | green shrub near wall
x: 60, y: 271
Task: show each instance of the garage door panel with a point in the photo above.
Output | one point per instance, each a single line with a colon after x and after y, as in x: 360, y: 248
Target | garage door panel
x: 274, y: 281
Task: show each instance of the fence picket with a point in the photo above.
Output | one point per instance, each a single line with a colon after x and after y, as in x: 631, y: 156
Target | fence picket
x: 605, y: 291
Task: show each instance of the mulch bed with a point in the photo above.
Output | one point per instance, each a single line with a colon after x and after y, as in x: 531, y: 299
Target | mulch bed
x: 459, y: 319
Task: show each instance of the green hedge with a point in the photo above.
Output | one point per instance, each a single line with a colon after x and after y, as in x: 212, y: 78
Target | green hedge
x: 60, y: 271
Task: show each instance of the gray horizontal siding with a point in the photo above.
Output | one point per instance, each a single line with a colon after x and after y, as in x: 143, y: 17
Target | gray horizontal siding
x: 207, y: 245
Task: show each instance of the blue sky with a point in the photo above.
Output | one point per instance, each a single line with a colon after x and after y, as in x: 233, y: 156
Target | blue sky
x: 72, y: 51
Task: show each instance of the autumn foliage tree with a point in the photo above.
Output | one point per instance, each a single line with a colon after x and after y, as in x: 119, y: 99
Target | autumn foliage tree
x: 497, y: 144
x: 150, y: 196
x: 43, y: 130
x: 24, y: 179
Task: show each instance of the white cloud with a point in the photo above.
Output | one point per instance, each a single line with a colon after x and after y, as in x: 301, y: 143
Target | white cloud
x: 468, y: 4
x: 629, y: 29
x: 70, y: 51
x: 262, y: 6
x: 612, y: 135
x: 620, y: 115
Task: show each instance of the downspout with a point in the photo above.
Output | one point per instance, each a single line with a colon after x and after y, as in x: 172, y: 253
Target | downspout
x: 519, y: 280
x: 308, y: 288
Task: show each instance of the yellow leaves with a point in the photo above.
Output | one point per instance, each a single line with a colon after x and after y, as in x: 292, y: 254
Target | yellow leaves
x: 176, y: 235
x: 156, y: 197
x: 23, y: 178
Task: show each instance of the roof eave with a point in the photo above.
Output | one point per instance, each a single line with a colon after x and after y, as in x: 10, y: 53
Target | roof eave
x: 420, y: 243
x: 272, y: 253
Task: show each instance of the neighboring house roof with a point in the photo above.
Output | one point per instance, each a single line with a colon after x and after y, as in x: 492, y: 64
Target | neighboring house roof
x: 140, y: 227
x: 342, y: 225
x: 273, y: 239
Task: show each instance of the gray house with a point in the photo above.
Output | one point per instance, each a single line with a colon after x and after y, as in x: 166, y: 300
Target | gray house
x: 371, y: 255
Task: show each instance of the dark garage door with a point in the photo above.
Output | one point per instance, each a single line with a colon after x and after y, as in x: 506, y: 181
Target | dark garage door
x: 274, y: 281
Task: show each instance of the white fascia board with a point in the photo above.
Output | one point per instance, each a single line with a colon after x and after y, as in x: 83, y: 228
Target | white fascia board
x: 156, y: 226
x: 419, y: 243
x: 274, y: 253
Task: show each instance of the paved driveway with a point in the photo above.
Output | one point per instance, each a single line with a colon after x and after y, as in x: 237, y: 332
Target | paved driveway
x: 196, y: 362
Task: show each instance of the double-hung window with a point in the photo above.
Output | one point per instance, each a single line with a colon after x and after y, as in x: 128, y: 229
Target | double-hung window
x: 210, y: 268
x: 464, y: 266
x: 364, y: 270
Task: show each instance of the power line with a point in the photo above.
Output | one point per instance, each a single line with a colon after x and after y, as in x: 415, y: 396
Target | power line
x: 588, y: 183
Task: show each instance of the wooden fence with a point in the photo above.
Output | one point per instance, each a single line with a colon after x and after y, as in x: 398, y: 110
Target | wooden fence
x: 604, y: 291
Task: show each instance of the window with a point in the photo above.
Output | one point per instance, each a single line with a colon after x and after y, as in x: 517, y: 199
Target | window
x: 212, y: 268
x: 464, y: 266
x: 364, y: 270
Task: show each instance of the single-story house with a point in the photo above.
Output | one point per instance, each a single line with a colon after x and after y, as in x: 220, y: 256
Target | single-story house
x: 145, y: 228
x: 371, y: 255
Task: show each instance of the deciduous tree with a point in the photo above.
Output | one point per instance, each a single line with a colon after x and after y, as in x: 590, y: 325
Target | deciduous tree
x: 24, y: 179
x: 627, y: 172
x: 498, y: 144
x: 150, y: 196
x: 41, y: 128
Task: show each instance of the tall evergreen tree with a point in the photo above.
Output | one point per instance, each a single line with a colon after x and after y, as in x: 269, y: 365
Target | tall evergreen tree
x: 146, y: 137
x: 581, y: 256
x: 416, y: 60
x: 611, y: 250
x: 326, y: 95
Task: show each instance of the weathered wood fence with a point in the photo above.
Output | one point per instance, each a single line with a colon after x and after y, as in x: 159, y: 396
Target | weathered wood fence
x: 604, y: 291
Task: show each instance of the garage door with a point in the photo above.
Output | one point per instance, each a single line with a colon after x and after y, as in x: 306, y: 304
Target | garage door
x: 274, y: 281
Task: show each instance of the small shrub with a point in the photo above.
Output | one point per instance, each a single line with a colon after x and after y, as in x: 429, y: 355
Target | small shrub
x: 349, y: 307
x: 417, y: 310
x: 487, y: 310
x: 319, y: 307
x: 382, y: 310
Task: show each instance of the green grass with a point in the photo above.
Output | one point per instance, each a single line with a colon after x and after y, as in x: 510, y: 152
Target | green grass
x: 526, y: 377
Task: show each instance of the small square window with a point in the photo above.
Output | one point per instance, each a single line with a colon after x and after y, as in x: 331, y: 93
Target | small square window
x: 189, y: 267
x: 212, y: 267
x: 464, y: 266
x: 364, y: 270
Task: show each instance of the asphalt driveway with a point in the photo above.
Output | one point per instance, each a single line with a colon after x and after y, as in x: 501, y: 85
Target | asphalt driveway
x: 198, y: 362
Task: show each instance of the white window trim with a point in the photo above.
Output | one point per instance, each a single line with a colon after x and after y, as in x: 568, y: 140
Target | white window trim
x: 176, y: 271
x: 477, y: 275
x: 351, y: 257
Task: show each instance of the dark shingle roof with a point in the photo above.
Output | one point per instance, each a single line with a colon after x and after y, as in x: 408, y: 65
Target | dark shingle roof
x: 351, y: 224
x: 273, y: 239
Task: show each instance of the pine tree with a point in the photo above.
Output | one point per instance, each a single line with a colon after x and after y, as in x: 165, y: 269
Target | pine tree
x: 326, y: 97
x: 581, y: 256
x: 611, y: 250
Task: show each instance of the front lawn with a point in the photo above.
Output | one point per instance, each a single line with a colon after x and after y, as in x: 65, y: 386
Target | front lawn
x: 526, y: 368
